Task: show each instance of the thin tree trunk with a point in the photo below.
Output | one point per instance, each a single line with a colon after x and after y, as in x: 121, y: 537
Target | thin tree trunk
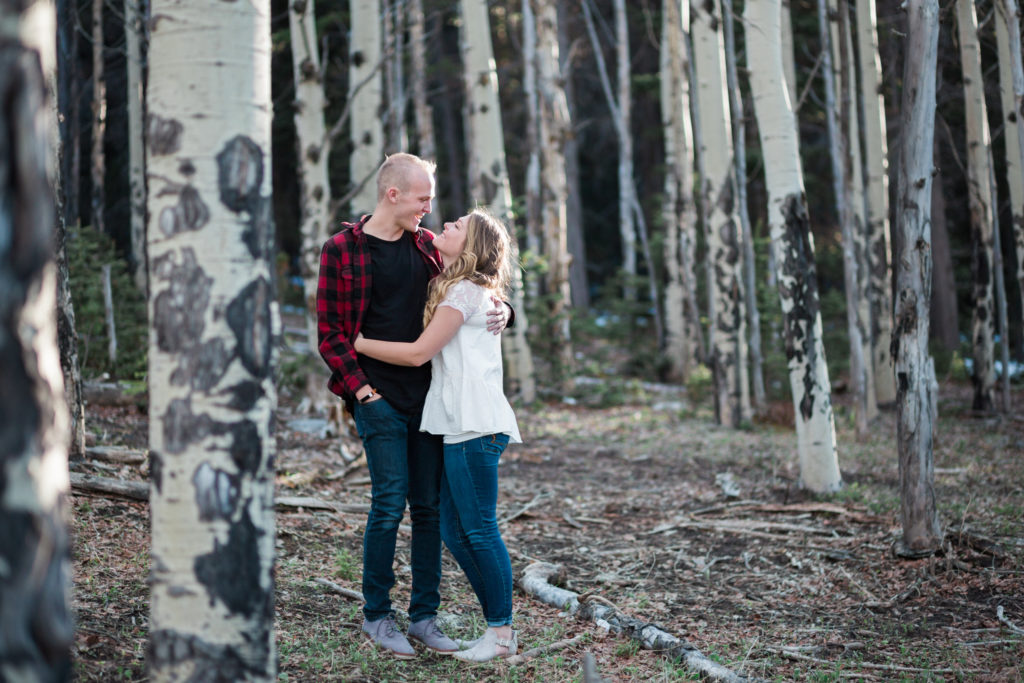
x: 915, y: 371
x: 877, y: 202
x: 1011, y: 80
x: 838, y: 110
x: 213, y: 341
x: 394, y: 29
x: 554, y: 128
x: 488, y: 174
x: 740, y: 167
x: 624, y: 126
x: 313, y: 150
x: 728, y: 346
x: 35, y: 548
x: 423, y: 113
x: 1000, y: 283
x: 979, y: 200
x: 133, y: 21
x: 679, y: 212
x: 794, y: 251
x: 99, y: 119
x: 366, y: 97
x: 578, y: 279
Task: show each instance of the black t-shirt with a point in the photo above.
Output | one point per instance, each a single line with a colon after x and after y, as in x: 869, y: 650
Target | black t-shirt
x: 397, y: 298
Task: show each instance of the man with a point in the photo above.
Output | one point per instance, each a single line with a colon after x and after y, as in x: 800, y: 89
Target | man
x: 373, y: 279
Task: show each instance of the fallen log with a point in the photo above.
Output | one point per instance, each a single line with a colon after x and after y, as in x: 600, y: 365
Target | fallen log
x: 137, y: 490
x: 535, y: 581
x: 118, y: 454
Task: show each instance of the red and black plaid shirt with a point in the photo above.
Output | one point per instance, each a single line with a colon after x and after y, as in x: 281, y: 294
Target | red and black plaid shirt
x: 343, y: 295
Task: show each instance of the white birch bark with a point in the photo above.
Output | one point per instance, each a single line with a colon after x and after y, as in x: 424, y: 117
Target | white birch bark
x: 488, y: 174
x: 554, y: 131
x: 1011, y: 87
x: 980, y: 201
x: 728, y: 347
x: 679, y: 211
x: 313, y: 150
x: 788, y: 58
x: 394, y: 28
x: 532, y: 183
x: 366, y: 98
x: 35, y: 557
x: 876, y: 164
x: 915, y: 371
x: 133, y: 21
x: 624, y: 126
x: 794, y: 250
x: 740, y: 170
x: 212, y: 340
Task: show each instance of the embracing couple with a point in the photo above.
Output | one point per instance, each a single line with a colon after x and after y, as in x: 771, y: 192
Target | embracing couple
x: 392, y: 296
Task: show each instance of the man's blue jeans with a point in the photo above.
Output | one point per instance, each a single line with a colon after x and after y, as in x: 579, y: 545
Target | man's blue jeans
x: 469, y: 525
x: 404, y: 463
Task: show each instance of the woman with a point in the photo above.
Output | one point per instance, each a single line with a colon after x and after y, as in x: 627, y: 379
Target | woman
x: 466, y: 404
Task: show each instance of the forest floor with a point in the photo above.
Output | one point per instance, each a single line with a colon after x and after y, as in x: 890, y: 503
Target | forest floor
x: 647, y: 506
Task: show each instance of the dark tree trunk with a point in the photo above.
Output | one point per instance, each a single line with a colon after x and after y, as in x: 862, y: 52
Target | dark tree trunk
x: 578, y: 284
x: 35, y: 620
x: 945, y: 326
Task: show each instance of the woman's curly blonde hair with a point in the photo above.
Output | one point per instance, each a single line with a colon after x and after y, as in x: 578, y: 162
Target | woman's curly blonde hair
x: 486, y: 260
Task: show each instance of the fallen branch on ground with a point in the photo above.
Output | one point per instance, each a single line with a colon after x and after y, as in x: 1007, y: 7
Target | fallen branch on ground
x: 518, y: 659
x: 341, y: 590
x: 535, y: 582
x: 118, y: 454
x: 1009, y: 624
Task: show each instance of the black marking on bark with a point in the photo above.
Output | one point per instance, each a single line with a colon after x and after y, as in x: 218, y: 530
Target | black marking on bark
x: 259, y: 234
x: 203, y: 367
x: 186, y: 168
x: 246, y: 446
x: 163, y: 136
x: 248, y: 316
x: 190, y: 213
x: 231, y: 572
x: 244, y: 395
x: 240, y: 174
x: 799, y: 266
x: 156, y: 470
x: 212, y: 662
x: 178, y: 310
x: 216, y: 492
x: 182, y: 427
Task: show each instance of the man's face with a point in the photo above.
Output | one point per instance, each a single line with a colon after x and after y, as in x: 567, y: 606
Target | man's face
x: 413, y: 203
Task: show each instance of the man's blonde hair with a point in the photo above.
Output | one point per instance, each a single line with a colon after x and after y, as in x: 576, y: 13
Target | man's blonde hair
x: 397, y: 170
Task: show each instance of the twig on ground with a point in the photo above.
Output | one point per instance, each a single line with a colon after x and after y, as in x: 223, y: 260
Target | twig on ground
x: 786, y: 652
x: 516, y: 660
x: 536, y: 499
x: 1009, y: 624
x: 341, y: 590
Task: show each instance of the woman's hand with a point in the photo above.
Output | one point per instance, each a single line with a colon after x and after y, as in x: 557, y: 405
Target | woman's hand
x: 359, y: 343
x: 497, y: 317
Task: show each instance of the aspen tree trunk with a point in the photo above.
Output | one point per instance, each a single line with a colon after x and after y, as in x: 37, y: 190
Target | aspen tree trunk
x: 740, y: 170
x: 213, y: 333
x: 943, y: 321
x: 365, y: 93
x: 35, y: 551
x: 876, y: 164
x: 979, y: 199
x: 532, y: 185
x: 488, y: 175
x: 788, y: 58
x: 679, y: 210
x: 314, y: 148
x: 394, y: 28
x: 915, y: 371
x: 794, y: 250
x: 1000, y: 284
x: 578, y: 279
x: 422, y: 111
x: 67, y: 337
x: 728, y: 347
x: 838, y: 111
x: 1011, y: 87
x: 554, y: 131
x: 133, y: 22
x: 99, y: 119
x: 624, y: 126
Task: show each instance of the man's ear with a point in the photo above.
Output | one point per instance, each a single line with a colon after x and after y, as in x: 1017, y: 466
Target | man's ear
x: 392, y: 194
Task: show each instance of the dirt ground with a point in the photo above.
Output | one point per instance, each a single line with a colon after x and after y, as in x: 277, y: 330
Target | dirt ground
x: 648, y: 507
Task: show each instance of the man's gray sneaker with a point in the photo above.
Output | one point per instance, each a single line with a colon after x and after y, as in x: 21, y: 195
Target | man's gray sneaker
x: 429, y: 633
x: 385, y: 634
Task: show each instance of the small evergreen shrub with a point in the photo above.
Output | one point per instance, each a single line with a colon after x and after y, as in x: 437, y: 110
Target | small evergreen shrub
x: 88, y: 251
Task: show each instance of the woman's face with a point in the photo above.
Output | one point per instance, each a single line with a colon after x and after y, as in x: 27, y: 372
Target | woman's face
x: 452, y: 239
